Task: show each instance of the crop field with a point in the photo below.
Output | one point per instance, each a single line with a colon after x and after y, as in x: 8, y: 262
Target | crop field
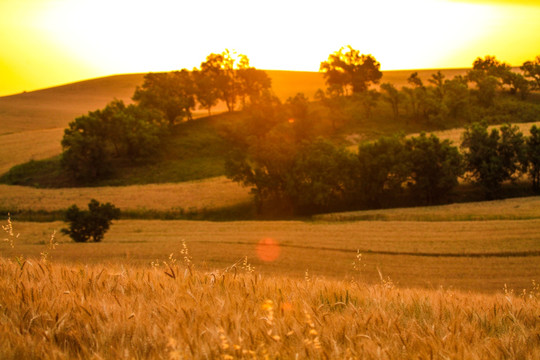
x: 174, y: 311
x: 449, y: 281
x: 470, y: 255
x: 207, y: 194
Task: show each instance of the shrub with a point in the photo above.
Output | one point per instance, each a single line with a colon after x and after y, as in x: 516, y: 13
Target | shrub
x: 91, y: 223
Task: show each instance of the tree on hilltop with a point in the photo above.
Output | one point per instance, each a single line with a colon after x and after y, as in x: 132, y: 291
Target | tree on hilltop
x: 233, y: 78
x: 531, y: 69
x: 172, y: 93
x: 350, y: 69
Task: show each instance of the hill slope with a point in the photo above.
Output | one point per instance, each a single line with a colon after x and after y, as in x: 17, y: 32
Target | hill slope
x: 32, y: 123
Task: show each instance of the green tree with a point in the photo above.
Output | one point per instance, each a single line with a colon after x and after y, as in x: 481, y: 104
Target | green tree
x: 252, y: 83
x: 92, y: 142
x: 92, y: 223
x: 492, y: 157
x: 321, y: 177
x: 457, y: 98
x: 303, y: 122
x: 234, y: 79
x: 346, y: 69
x: 531, y: 69
x: 382, y: 169
x: 435, y: 166
x: 264, y: 166
x: 206, y: 89
x: 533, y: 157
x: 84, y: 155
x: 414, y: 95
x: 172, y: 93
x: 491, y: 66
x: 394, y: 97
x: 368, y: 101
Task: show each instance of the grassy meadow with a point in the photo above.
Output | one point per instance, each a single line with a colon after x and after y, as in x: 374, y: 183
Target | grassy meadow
x: 194, y: 196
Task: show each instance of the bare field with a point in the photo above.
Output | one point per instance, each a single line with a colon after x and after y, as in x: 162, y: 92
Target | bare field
x: 173, y: 311
x: 476, y: 255
x: 194, y: 195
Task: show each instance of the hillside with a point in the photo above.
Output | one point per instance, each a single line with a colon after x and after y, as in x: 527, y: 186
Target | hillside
x: 32, y: 123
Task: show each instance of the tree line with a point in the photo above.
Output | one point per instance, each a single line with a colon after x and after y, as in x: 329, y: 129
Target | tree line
x: 269, y: 135
x: 317, y: 175
x: 492, y: 90
x: 94, y: 143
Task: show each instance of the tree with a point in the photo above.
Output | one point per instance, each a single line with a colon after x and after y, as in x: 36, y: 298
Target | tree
x: 302, y: 121
x: 252, y: 83
x: 234, y: 78
x: 84, y: 154
x: 350, y: 69
x: 93, y: 141
x: 531, y: 69
x: 517, y: 83
x: 172, y: 93
x: 382, y: 169
x: 457, y: 98
x: 434, y: 167
x: 394, y: 97
x: 533, y: 157
x: 264, y: 165
x: 92, y: 223
x: 368, y: 100
x: 438, y: 81
x: 486, y: 86
x: 489, y: 73
x: 415, y: 94
x: 494, y: 157
x: 206, y: 89
x: 321, y: 177
x: 491, y: 66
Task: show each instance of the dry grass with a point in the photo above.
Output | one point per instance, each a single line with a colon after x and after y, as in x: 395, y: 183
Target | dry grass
x: 54, y: 311
x: 20, y: 147
x: 479, y: 255
x: 194, y: 195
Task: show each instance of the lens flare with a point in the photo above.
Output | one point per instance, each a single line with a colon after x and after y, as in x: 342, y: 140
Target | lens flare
x: 268, y: 250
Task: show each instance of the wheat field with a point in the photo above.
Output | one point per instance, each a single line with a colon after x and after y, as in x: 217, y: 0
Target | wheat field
x: 213, y: 193
x: 467, y: 255
x: 171, y: 310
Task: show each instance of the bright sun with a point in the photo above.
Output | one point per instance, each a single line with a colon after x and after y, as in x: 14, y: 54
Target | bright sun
x: 69, y: 40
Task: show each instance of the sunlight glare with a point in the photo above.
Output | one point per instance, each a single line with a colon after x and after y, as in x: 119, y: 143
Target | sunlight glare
x: 268, y: 250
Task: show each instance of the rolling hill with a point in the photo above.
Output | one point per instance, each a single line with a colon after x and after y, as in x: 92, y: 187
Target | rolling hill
x: 32, y: 123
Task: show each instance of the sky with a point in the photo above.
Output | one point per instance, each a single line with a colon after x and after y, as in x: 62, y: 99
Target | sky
x: 51, y: 42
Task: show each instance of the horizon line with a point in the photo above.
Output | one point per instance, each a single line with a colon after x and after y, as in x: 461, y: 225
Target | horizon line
x: 162, y: 71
